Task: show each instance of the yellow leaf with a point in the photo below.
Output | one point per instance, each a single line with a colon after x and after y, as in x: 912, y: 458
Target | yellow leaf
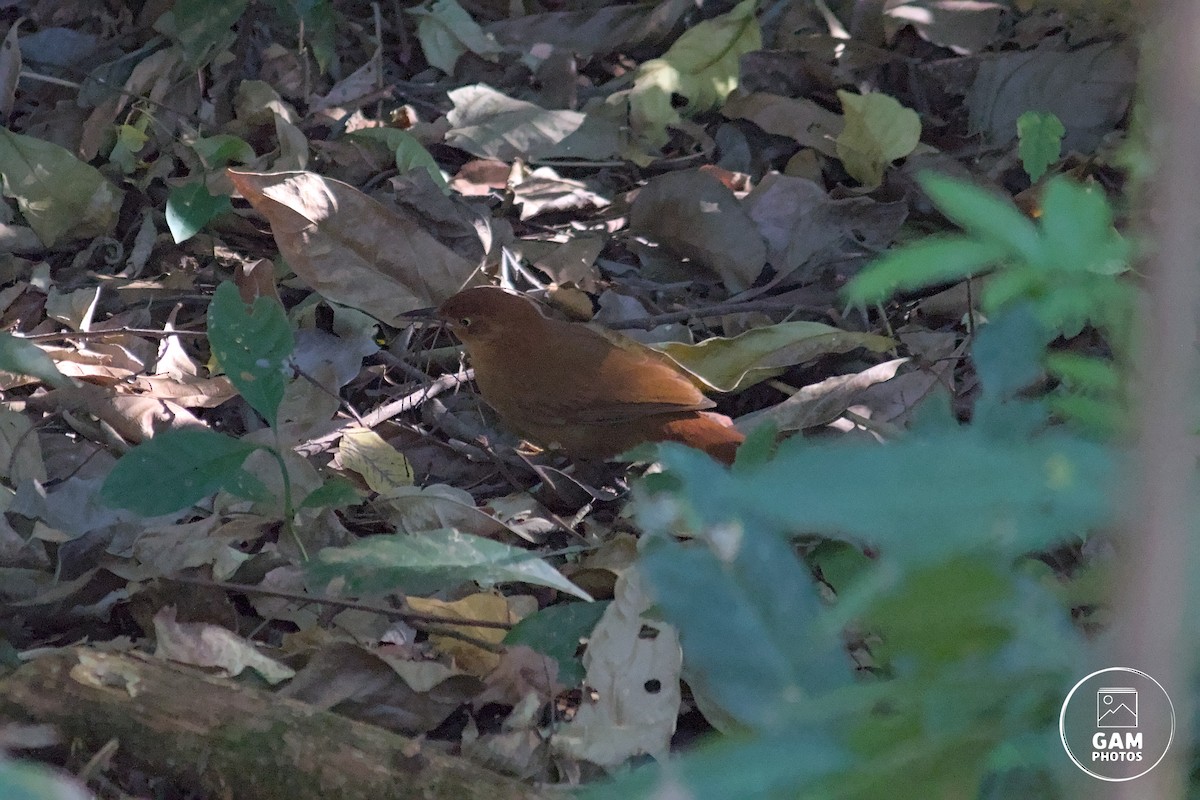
x: 381, y: 465
x: 878, y: 131
x: 486, y: 606
x: 701, y: 66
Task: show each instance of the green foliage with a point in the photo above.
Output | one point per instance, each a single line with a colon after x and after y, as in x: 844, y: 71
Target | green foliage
x: 178, y: 468
x: 1040, y: 136
x: 970, y: 656
x: 878, y: 131
x: 968, y: 649
x: 430, y: 561
x: 190, y: 207
x: 1061, y: 268
x: 23, y: 357
x: 701, y: 67
x: 556, y: 631
x: 222, y: 150
x: 175, y: 469
x: 334, y: 493
x: 202, y: 28
x: 756, y: 641
x: 408, y: 150
x: 1061, y: 264
x: 252, y: 345
x: 30, y: 781
x: 318, y: 22
x: 446, y: 32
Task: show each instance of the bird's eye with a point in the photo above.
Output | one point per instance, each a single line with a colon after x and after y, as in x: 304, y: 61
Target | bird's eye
x: 465, y: 322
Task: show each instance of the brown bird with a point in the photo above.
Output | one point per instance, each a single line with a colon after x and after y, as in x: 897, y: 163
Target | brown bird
x: 594, y: 393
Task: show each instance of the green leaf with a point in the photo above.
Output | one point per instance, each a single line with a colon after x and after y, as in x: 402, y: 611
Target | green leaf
x: 926, y: 262
x: 1008, y: 494
x: 60, y: 196
x: 446, y: 32
x: 878, y: 131
x: 318, y: 21
x: 556, y: 631
x: 23, y: 357
x: 410, y: 153
x: 985, y: 216
x: 753, y: 640
x: 130, y: 141
x: 336, y: 492
x: 733, y: 364
x: 972, y: 625
x: 1085, y: 373
x: 1008, y: 351
x: 202, y: 28
x: 178, y: 468
x: 701, y: 67
x: 223, y: 149
x: 1077, y: 225
x: 746, y: 768
x: 1040, y: 136
x: 190, y: 207
x: 252, y: 344
x: 33, y: 781
x: 430, y: 561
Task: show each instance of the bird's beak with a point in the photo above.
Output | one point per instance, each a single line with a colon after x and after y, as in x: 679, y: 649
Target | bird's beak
x: 421, y: 316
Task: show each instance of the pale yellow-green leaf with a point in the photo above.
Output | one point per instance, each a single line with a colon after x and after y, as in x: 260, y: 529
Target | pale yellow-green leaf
x: 701, y: 66
x: 878, y: 131
x: 483, y: 606
x: 382, y: 466
x: 733, y: 364
x: 60, y: 196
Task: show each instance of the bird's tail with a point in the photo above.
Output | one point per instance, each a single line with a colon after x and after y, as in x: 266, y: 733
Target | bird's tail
x: 708, y: 431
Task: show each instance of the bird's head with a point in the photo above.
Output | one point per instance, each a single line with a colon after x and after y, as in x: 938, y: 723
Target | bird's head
x: 488, y: 314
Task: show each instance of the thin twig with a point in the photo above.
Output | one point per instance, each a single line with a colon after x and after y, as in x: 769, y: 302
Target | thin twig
x: 106, y: 334
x: 409, y: 402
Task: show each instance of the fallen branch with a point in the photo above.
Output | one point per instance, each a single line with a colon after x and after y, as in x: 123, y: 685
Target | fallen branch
x: 229, y: 740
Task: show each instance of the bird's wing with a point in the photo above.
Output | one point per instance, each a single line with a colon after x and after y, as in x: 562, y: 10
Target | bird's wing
x: 617, y: 379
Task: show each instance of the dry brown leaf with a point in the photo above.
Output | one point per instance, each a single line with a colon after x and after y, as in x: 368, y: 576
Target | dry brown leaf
x: 352, y: 249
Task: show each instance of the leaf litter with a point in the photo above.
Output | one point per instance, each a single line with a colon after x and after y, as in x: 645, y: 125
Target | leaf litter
x: 702, y: 179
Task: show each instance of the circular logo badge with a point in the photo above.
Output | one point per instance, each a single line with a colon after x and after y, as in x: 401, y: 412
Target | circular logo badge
x: 1117, y: 723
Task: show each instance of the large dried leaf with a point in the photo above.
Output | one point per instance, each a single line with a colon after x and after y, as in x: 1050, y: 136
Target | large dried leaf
x: 731, y: 364
x: 489, y: 124
x: 484, y: 606
x: 694, y: 215
x: 351, y: 248
x: 808, y: 123
x: 1088, y: 89
x: 822, y: 402
x: 207, y: 645
x: 382, y: 466
x: 60, y: 196
x: 624, y: 665
x: 807, y: 230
